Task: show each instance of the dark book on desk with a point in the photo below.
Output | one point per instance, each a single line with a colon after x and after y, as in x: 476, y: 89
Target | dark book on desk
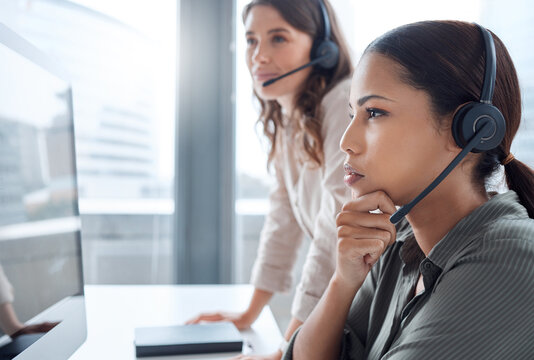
x: 187, y: 339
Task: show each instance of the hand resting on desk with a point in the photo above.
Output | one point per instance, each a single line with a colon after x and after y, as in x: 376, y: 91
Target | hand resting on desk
x: 241, y: 320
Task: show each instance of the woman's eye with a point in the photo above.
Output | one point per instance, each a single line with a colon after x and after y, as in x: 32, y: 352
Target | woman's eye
x: 278, y: 39
x: 351, y: 115
x: 251, y: 41
x: 374, y: 113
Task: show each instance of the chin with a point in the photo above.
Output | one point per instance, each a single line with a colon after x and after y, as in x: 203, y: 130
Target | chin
x: 358, y: 191
x: 265, y: 93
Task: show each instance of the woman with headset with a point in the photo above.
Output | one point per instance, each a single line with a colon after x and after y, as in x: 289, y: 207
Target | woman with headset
x: 454, y: 279
x: 303, y: 116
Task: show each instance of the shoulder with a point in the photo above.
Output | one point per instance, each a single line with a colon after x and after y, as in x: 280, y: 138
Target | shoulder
x: 340, y: 92
x: 515, y: 234
x: 512, y: 225
x: 501, y: 223
x: 504, y: 245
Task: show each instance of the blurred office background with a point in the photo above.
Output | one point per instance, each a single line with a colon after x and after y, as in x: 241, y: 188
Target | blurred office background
x: 120, y: 57
x: 172, y: 170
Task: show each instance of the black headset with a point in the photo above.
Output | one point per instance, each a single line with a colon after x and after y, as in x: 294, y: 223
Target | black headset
x: 324, y: 52
x: 324, y: 49
x: 472, y: 116
x: 476, y: 126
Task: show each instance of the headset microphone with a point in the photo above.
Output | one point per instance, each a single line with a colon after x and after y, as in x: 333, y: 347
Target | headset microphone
x: 476, y: 126
x: 485, y: 131
x: 325, y: 53
x: 318, y: 60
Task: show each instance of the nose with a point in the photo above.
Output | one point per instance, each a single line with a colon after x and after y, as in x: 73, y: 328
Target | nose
x: 351, y: 142
x: 261, y: 54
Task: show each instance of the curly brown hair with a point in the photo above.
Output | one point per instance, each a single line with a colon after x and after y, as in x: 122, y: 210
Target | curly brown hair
x: 306, y: 16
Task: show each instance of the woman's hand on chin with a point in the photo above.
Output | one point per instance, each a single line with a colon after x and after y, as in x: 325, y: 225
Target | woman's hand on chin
x: 362, y: 236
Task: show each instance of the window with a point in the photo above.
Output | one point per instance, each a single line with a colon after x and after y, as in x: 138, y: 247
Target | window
x: 120, y: 56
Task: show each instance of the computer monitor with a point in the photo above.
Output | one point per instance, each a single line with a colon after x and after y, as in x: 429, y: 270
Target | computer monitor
x: 42, y: 302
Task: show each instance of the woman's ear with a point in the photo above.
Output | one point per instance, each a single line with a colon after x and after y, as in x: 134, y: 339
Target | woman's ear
x: 451, y: 144
x: 446, y: 131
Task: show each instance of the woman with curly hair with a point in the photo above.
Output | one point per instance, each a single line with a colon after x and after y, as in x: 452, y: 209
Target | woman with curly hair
x: 303, y: 116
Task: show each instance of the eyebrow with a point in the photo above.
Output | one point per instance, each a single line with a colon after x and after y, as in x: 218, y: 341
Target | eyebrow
x: 270, y: 31
x: 364, y: 99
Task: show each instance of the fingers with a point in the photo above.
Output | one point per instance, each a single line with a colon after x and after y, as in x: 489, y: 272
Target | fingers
x: 368, y: 250
x: 356, y: 221
x: 372, y: 201
x: 363, y: 235
x: 348, y: 231
x: 208, y: 317
x: 360, y: 225
x: 45, y: 327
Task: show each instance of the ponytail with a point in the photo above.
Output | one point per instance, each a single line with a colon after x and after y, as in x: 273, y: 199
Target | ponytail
x: 520, y: 178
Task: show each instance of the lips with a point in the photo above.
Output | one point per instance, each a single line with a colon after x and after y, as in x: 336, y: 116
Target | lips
x: 351, y: 175
x: 264, y: 75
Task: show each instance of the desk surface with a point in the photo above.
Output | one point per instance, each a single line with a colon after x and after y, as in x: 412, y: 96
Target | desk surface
x: 114, y: 311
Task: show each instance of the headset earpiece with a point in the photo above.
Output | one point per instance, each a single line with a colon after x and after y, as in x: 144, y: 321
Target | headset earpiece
x: 476, y: 126
x: 324, y: 47
x: 328, y: 51
x: 469, y: 119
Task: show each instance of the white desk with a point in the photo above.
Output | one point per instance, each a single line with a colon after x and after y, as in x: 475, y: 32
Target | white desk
x: 114, y: 311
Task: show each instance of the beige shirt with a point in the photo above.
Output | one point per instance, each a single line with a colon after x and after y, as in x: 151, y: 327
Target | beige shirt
x: 305, y: 201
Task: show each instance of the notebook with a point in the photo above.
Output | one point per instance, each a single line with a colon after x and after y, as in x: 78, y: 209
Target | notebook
x: 187, y: 339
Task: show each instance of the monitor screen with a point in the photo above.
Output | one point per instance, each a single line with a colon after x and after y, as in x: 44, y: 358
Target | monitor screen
x: 42, y: 310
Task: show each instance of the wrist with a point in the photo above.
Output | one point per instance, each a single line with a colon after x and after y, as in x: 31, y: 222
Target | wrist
x: 248, y: 316
x: 341, y: 285
x: 260, y: 298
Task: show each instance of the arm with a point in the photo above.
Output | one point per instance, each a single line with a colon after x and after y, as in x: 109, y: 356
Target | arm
x: 280, y: 239
x: 363, y: 237
x: 12, y: 326
x: 8, y: 319
x: 260, y: 298
x: 9, y: 322
x: 6, y: 289
x: 321, y: 336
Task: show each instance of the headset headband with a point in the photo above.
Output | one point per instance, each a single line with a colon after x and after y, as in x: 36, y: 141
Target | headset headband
x: 490, y: 70
x: 326, y: 20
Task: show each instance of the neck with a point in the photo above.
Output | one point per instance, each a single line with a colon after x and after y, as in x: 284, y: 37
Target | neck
x: 286, y: 103
x: 441, y: 210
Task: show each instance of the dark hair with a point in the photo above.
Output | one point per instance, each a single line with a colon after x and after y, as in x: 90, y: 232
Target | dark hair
x: 306, y: 16
x: 447, y: 60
